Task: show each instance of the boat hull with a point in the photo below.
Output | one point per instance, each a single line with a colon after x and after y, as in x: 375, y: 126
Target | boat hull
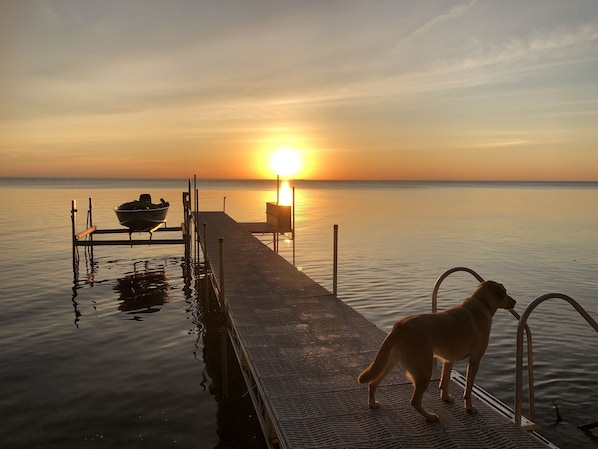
x: 142, y: 219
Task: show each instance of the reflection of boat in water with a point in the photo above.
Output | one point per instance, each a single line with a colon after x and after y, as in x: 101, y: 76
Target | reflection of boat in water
x: 142, y: 292
x: 142, y: 215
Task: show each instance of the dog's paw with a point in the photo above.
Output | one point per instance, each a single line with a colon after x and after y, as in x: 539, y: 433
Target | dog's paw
x: 431, y: 417
x: 471, y: 410
x: 447, y: 398
x: 374, y: 405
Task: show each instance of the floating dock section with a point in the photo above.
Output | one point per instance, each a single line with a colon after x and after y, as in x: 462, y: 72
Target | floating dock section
x: 301, y: 349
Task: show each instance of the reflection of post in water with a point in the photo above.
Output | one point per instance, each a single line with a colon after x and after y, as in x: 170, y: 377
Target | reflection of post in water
x: 90, y: 270
x: 237, y: 423
x: 143, y: 291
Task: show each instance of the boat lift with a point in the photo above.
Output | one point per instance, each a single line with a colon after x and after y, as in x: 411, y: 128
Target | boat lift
x: 87, y: 237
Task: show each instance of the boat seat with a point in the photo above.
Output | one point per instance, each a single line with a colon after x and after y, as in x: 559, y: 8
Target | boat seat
x: 145, y: 198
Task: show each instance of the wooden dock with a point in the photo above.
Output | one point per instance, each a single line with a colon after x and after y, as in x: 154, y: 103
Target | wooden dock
x: 301, y: 349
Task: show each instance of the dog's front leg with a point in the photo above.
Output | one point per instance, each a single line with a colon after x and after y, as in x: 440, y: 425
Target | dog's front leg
x: 472, y: 370
x: 445, y: 381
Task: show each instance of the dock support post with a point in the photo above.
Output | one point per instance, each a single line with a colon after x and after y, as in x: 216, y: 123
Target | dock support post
x: 293, y: 226
x: 335, y: 262
x: 90, y: 214
x: 74, y: 237
x: 197, y: 243
x: 277, y: 189
x: 205, y: 265
x: 224, y: 321
x: 90, y: 226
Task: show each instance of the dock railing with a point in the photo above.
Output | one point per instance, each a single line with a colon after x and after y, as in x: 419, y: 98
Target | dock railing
x: 519, y: 362
x: 228, y: 331
x: 522, y: 326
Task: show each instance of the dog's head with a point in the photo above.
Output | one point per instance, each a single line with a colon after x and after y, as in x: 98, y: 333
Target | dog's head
x: 494, y: 296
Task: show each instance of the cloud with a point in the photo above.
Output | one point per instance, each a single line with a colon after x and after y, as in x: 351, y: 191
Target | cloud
x: 454, y: 13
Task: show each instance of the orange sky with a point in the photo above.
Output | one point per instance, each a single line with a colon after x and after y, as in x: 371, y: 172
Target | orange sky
x: 373, y: 90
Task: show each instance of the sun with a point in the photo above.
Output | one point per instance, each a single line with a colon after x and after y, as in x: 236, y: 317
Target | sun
x: 286, y: 162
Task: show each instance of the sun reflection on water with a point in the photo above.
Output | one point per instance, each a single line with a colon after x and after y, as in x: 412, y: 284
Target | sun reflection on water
x: 285, y: 194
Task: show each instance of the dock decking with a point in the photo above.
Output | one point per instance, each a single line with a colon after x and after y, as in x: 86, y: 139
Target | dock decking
x: 301, y: 349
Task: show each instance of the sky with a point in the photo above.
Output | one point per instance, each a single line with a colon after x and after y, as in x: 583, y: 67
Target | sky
x: 354, y: 89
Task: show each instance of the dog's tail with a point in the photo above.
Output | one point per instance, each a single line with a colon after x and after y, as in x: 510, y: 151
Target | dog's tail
x: 378, y: 365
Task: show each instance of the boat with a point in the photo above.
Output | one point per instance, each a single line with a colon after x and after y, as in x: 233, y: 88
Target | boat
x: 142, y: 215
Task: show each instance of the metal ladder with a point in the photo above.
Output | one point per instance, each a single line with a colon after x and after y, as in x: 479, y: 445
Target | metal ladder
x: 516, y: 415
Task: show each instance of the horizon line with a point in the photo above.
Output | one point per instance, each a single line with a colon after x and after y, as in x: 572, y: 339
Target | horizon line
x: 306, y: 179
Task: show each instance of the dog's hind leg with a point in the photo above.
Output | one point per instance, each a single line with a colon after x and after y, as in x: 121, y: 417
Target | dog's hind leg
x: 445, y: 381
x: 419, y: 366
x: 373, y: 386
x: 421, y: 384
x: 372, y: 403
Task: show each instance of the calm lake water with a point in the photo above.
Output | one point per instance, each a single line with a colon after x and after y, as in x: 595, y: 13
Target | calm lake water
x: 123, y: 353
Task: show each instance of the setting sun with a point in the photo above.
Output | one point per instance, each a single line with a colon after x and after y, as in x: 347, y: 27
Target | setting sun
x: 286, y: 162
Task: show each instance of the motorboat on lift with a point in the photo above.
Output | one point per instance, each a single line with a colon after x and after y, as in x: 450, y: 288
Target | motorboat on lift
x: 142, y: 215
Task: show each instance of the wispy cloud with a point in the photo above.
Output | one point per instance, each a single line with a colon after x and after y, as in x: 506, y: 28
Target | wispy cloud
x: 454, y: 13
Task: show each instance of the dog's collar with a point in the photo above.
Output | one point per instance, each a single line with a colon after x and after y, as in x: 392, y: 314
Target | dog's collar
x: 486, y: 307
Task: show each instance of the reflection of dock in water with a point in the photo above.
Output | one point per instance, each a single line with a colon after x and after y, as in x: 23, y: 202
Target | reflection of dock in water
x: 143, y: 291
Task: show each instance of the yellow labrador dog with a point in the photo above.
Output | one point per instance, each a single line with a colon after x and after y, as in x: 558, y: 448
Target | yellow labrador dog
x: 455, y: 334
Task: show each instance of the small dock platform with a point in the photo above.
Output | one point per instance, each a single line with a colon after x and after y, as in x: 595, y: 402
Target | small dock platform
x: 301, y: 348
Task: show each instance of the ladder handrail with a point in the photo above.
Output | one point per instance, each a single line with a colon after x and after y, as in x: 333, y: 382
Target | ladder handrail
x: 443, y: 277
x: 519, y: 361
x: 528, y: 332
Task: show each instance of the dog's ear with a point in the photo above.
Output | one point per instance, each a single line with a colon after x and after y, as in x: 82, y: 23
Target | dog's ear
x: 494, y: 295
x: 500, y: 292
x: 489, y: 288
x: 494, y: 287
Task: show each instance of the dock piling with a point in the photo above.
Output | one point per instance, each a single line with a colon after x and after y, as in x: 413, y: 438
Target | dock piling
x: 224, y: 326
x: 335, y: 263
x: 206, y: 264
x: 74, y: 235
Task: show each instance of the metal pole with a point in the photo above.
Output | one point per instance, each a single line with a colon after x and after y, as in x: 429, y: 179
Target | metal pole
x: 195, y: 219
x: 224, y: 327
x: 74, y: 220
x: 74, y: 237
x: 205, y: 247
x: 221, y: 280
x: 90, y: 214
x: 335, y: 262
x: 195, y: 214
x: 196, y: 203
x: 206, y: 277
x: 293, y: 226
x: 187, y: 205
